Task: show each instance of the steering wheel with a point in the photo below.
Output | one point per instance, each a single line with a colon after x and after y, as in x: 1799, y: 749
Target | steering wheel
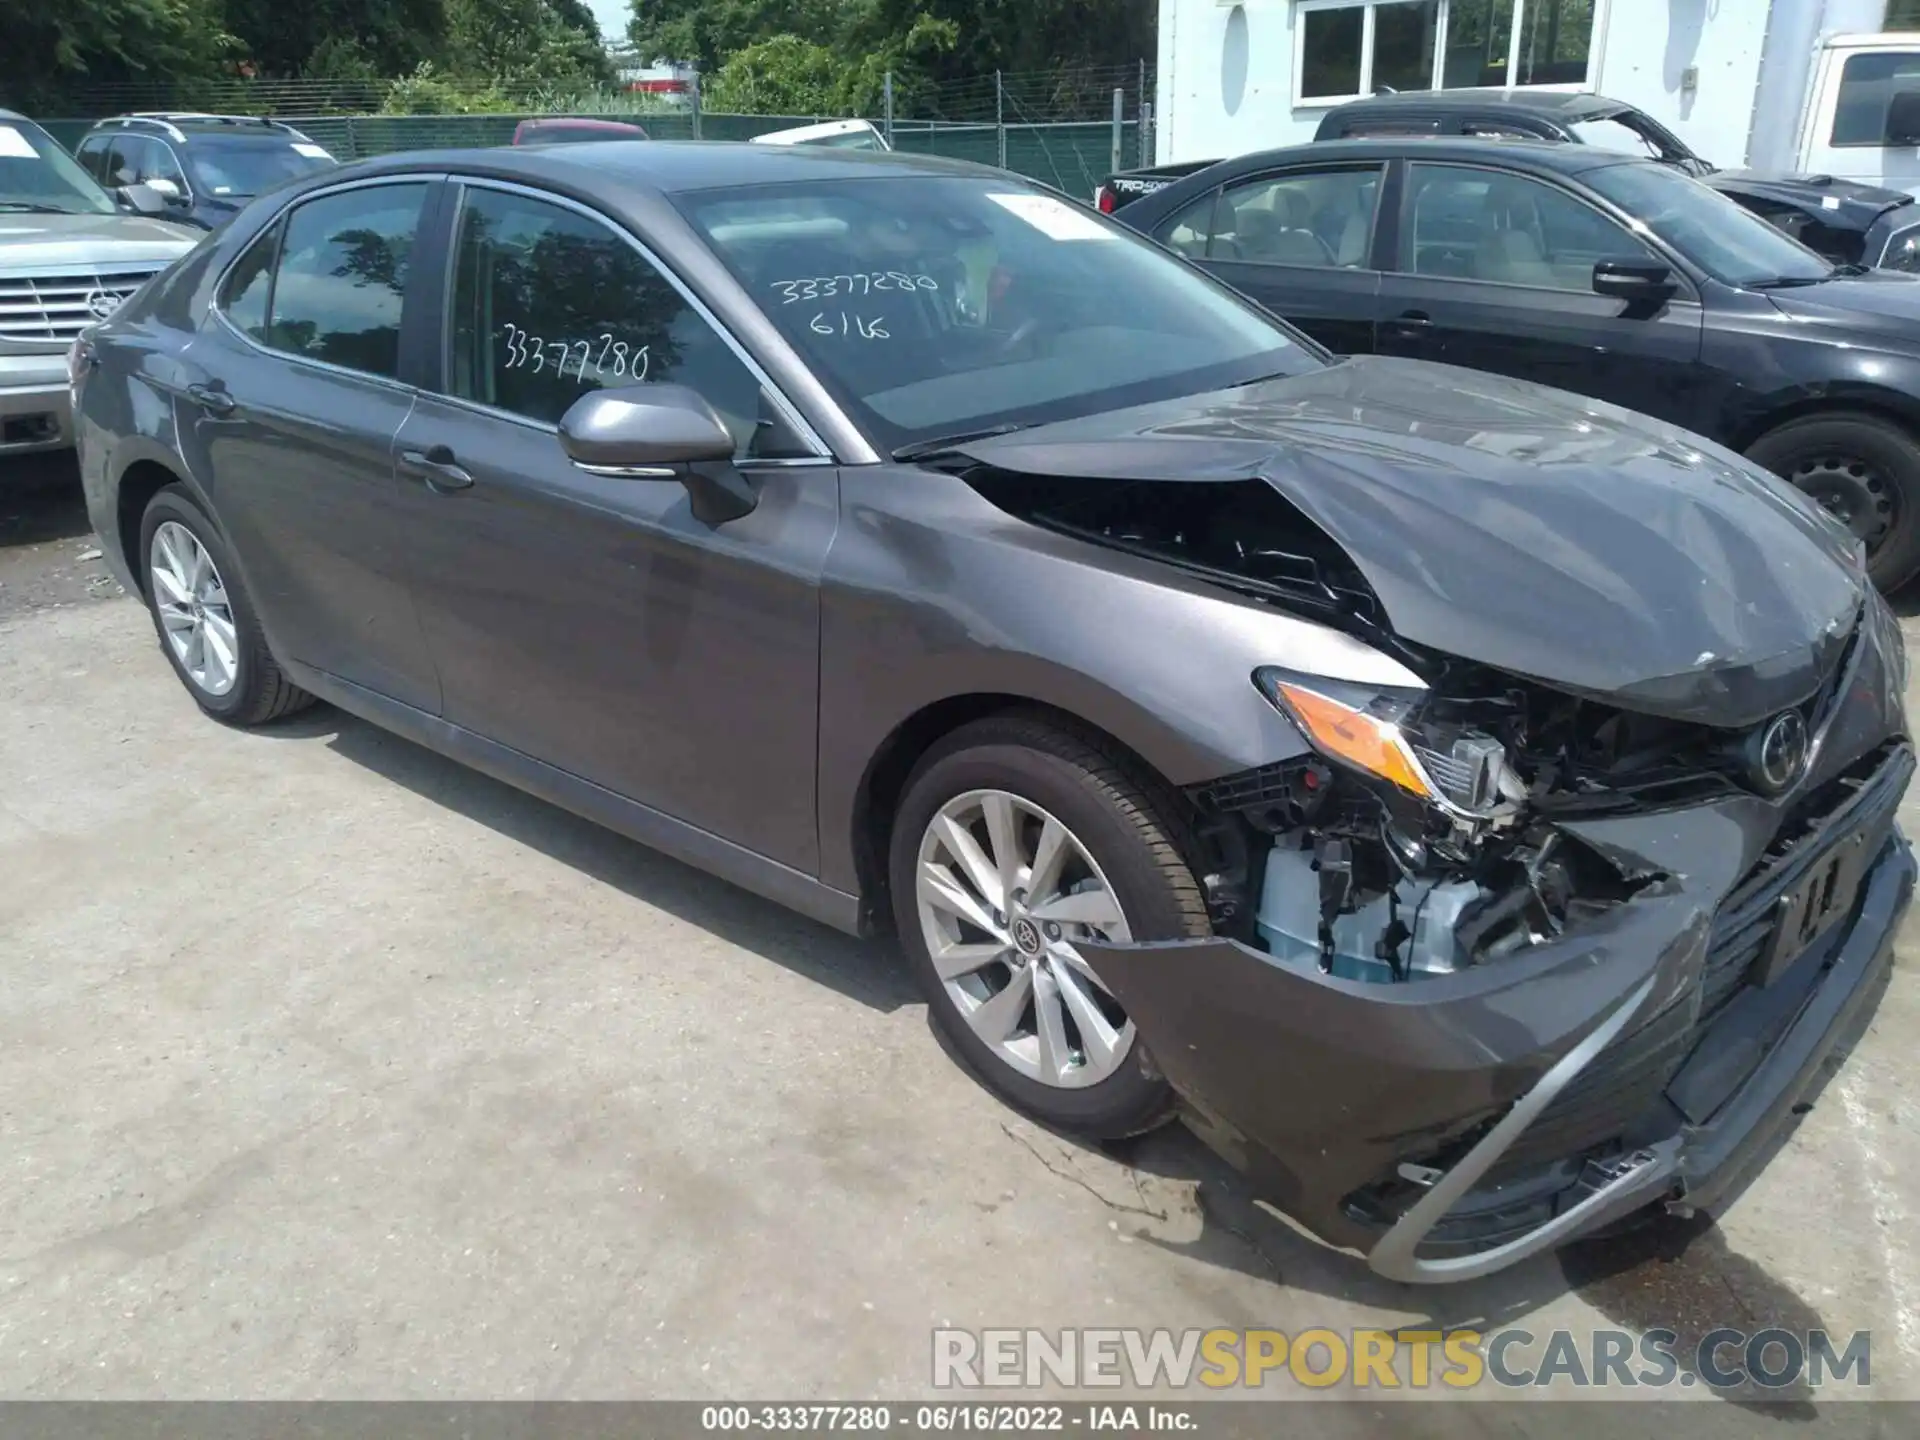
x: 1022, y: 333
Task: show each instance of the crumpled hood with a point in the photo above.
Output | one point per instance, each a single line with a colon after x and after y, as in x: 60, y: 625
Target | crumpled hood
x: 1535, y: 531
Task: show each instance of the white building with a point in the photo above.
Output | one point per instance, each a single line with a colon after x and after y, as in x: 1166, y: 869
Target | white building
x: 1730, y: 77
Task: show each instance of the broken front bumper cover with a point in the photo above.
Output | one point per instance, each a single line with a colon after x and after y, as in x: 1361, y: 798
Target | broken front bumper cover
x: 1645, y: 1047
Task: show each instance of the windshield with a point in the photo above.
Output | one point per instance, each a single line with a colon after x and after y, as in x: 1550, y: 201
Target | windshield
x: 36, y: 174
x: 1730, y: 243
x: 237, y: 169
x: 936, y: 305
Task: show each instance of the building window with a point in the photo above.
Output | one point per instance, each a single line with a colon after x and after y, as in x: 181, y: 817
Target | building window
x: 1350, y: 48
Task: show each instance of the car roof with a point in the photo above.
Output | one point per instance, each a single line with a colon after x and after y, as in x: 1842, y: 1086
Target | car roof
x: 1542, y: 155
x: 576, y: 122
x: 673, y: 166
x: 1563, y: 106
x: 181, y: 126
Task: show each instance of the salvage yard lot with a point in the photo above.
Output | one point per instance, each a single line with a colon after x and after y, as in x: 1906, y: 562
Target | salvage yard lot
x: 331, y: 1069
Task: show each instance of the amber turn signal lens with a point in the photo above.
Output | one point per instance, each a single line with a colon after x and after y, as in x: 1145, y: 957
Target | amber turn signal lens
x: 1343, y: 733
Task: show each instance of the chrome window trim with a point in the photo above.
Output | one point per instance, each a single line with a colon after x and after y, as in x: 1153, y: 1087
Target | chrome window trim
x: 802, y: 428
x: 218, y: 310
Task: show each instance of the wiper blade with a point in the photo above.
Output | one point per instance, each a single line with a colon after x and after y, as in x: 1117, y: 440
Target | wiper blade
x: 1790, y: 282
x: 30, y: 207
x: 941, y: 444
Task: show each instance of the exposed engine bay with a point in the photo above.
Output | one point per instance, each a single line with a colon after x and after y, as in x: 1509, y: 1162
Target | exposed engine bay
x: 1421, y: 837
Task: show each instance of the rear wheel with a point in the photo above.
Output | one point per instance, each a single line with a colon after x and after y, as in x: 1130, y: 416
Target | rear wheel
x: 1865, y: 472
x: 204, y: 618
x: 1016, y: 844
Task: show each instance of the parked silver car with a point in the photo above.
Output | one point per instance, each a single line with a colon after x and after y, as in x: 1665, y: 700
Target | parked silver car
x: 70, y: 253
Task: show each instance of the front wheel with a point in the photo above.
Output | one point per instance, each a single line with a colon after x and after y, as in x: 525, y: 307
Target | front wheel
x: 1865, y: 472
x: 1015, y: 844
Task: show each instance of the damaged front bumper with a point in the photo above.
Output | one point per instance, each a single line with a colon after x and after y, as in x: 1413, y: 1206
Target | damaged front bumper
x: 1453, y: 1126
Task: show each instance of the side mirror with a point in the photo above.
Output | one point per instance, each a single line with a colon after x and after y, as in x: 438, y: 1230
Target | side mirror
x: 1903, y: 118
x: 167, y: 190
x: 659, y: 432
x: 141, y: 199
x: 1641, y: 280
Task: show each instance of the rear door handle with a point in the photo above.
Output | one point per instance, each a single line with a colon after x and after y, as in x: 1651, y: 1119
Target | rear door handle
x: 212, y: 398
x: 1413, y: 319
x: 437, y: 467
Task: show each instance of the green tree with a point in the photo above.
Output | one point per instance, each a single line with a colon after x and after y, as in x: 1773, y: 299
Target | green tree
x: 55, y: 49
x: 336, y: 38
x: 521, y: 41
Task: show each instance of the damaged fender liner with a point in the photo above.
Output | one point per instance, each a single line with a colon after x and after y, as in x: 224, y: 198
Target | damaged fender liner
x: 1316, y: 1086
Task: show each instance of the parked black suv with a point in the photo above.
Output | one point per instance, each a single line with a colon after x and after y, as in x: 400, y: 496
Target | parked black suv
x: 1574, y: 265
x: 207, y: 166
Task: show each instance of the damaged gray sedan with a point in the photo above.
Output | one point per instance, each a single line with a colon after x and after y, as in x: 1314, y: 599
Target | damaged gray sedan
x: 1470, y: 806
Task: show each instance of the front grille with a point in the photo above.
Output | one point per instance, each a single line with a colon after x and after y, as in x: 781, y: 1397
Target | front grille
x: 1625, y: 1081
x: 58, y: 305
x: 1863, y: 804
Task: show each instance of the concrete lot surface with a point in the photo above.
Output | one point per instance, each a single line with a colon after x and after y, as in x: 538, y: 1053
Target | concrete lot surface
x: 330, y: 1069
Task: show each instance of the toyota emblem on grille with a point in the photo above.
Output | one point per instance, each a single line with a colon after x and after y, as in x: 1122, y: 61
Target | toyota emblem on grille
x: 1778, y: 752
x: 102, y: 303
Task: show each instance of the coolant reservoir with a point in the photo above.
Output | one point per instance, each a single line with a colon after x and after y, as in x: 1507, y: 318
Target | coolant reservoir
x: 1289, y: 921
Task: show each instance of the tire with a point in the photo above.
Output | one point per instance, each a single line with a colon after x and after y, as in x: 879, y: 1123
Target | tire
x: 253, y: 690
x: 1125, y: 836
x: 1869, y: 465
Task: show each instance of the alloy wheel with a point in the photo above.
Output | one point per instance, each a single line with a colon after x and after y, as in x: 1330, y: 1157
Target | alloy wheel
x: 1854, y: 492
x: 1006, y: 894
x: 195, y: 614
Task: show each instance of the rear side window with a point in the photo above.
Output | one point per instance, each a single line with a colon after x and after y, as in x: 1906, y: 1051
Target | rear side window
x: 243, y: 298
x: 342, y: 277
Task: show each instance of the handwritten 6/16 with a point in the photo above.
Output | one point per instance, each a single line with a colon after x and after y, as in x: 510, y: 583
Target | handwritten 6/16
x: 617, y: 358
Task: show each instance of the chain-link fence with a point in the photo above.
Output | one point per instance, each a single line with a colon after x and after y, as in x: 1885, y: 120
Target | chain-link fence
x: 1064, y: 128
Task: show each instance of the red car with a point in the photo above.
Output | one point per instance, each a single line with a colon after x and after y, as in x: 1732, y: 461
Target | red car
x: 560, y: 130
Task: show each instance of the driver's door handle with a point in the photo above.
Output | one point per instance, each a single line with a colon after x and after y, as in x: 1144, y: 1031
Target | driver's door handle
x: 437, y: 467
x: 1412, y: 320
x: 212, y: 398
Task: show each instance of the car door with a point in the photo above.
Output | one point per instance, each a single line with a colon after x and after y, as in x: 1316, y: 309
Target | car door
x: 289, y: 420
x: 1494, y: 271
x: 588, y: 620
x: 1298, y: 241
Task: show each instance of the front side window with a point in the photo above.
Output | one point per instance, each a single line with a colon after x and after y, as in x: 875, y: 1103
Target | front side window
x: 1903, y: 250
x: 550, y: 304
x: 1508, y: 229
x: 342, y: 277
x: 92, y: 156
x: 1322, y: 219
x: 1727, y: 241
x: 936, y: 304
x: 1867, y: 86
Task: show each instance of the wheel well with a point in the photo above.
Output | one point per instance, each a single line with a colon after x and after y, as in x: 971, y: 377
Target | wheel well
x: 1871, y: 406
x: 886, y: 779
x: 143, y: 480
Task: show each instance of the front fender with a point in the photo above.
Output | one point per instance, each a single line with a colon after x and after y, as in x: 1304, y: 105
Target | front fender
x: 931, y: 593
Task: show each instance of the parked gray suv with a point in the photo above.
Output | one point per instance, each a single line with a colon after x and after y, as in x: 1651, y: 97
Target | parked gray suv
x: 70, y: 253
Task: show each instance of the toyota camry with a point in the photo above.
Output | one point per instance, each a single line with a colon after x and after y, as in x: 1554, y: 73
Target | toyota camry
x: 1469, y: 805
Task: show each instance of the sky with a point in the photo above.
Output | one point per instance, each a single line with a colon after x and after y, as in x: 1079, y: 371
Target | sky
x: 613, y: 16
